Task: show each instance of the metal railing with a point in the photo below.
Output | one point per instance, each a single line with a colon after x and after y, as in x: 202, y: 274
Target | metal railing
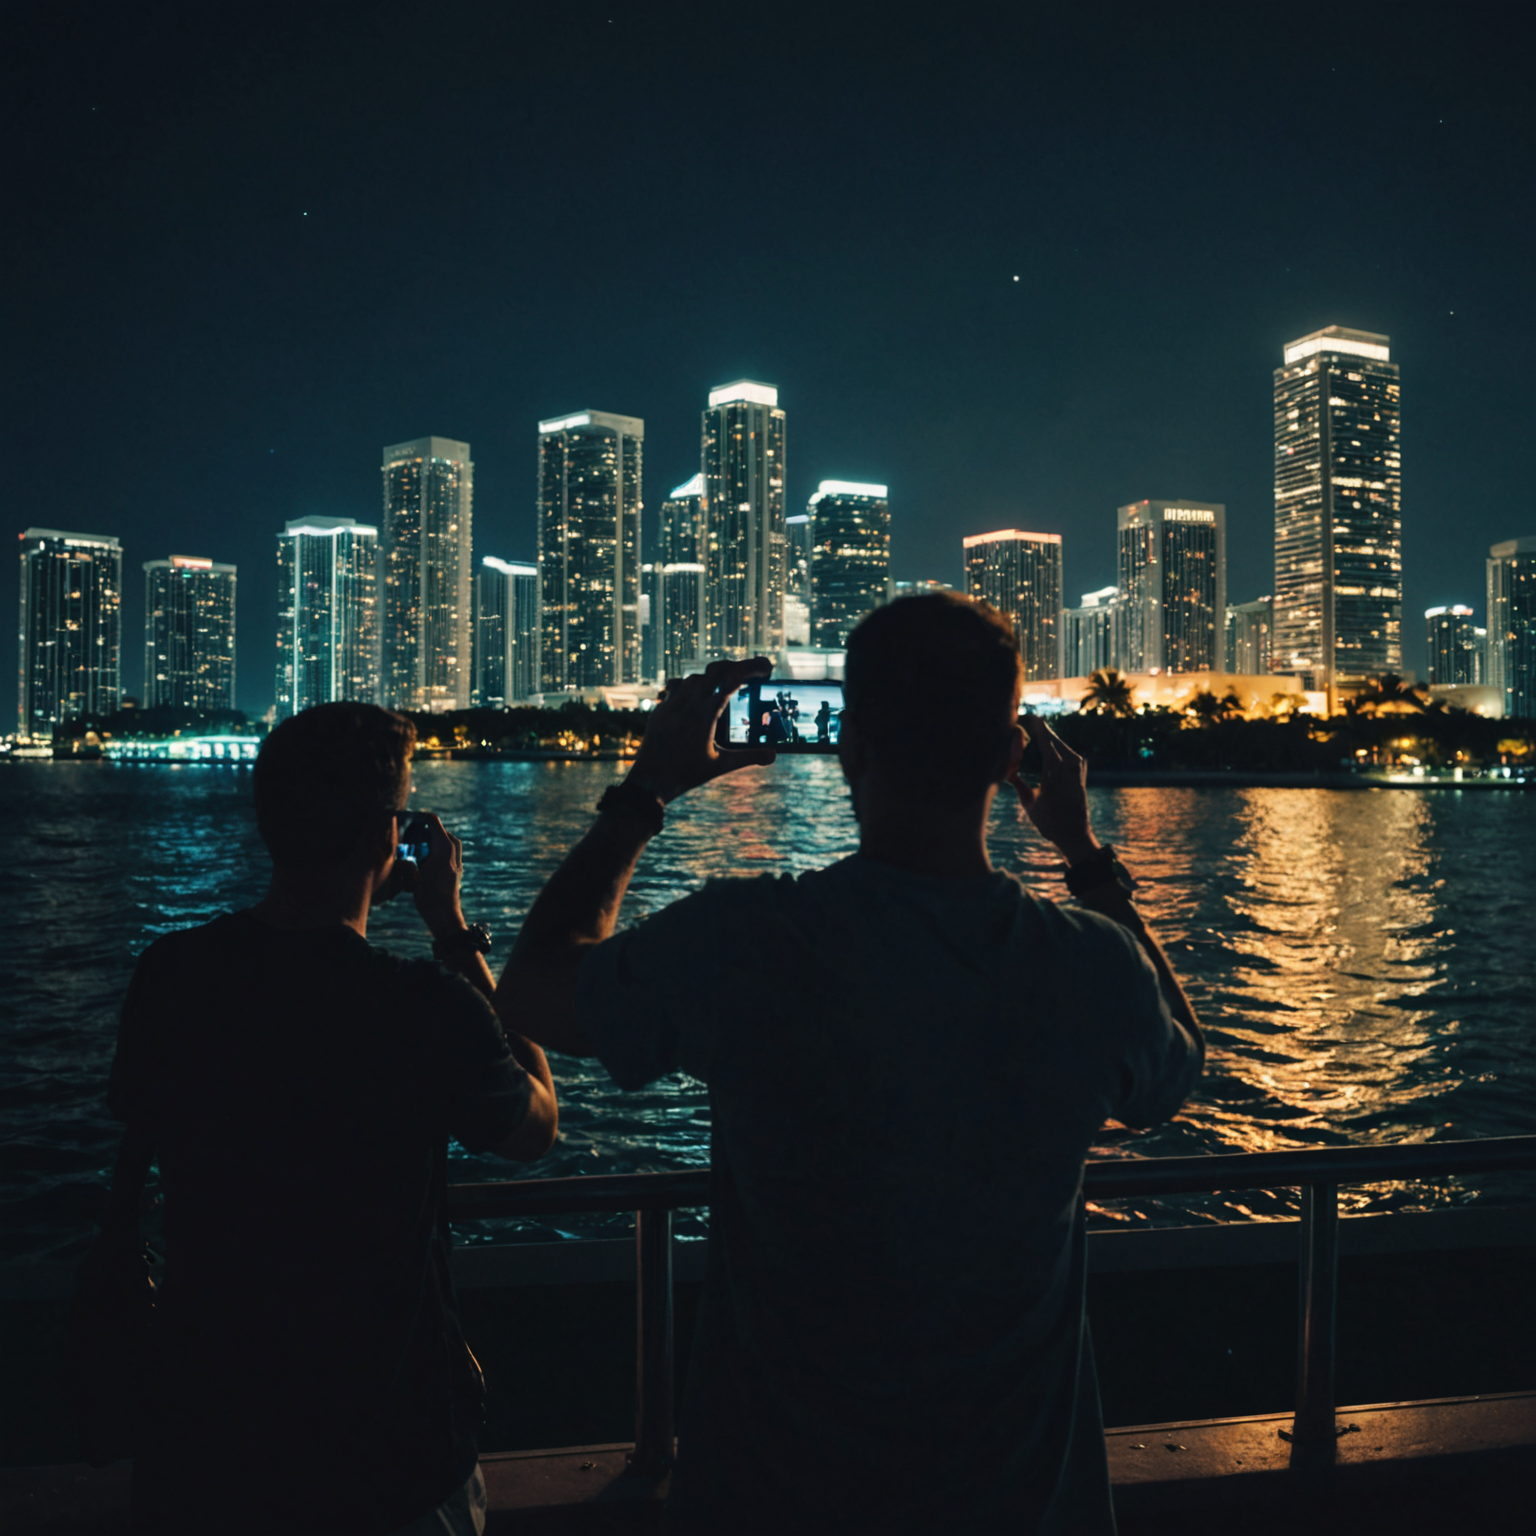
x: 1318, y: 1174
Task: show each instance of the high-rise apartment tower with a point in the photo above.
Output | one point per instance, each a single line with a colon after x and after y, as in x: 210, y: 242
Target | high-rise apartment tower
x: 679, y: 612
x: 1250, y: 631
x: 328, y: 613
x: 506, y: 604
x: 850, y: 557
x: 743, y: 467
x: 589, y: 550
x: 797, y: 579
x: 1172, y: 563
x: 1093, y: 633
x: 1338, y: 510
x: 1019, y: 574
x: 426, y: 574
x: 189, y: 633
x: 1456, y: 644
x: 71, y: 628
x: 1512, y: 625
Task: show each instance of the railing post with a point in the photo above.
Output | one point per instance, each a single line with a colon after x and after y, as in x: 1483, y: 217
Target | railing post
x: 654, y: 1434
x: 1318, y: 1328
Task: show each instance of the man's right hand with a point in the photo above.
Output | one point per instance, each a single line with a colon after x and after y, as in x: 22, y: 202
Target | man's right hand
x: 679, y: 751
x: 1058, y: 805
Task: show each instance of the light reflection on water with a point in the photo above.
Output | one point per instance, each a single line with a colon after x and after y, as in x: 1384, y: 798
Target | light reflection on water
x: 1361, y: 961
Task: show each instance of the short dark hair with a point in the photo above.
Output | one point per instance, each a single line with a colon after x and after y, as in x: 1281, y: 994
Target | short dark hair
x: 932, y: 685
x: 324, y: 774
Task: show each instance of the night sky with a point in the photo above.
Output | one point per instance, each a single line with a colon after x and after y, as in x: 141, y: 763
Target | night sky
x: 1021, y: 263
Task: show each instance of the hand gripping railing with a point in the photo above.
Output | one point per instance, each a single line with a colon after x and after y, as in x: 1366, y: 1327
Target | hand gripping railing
x: 1318, y: 1174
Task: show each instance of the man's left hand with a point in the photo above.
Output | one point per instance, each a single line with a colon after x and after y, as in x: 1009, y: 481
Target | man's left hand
x: 679, y: 751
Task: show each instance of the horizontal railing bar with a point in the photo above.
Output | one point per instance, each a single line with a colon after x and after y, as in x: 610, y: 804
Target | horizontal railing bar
x: 1105, y: 1178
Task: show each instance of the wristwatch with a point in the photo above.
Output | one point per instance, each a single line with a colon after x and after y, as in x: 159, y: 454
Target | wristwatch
x: 474, y: 938
x: 632, y: 798
x: 1102, y: 867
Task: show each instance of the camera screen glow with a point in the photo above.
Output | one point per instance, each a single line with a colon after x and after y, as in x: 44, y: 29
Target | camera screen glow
x: 784, y: 713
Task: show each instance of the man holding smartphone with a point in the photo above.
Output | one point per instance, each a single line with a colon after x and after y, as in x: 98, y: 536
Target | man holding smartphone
x: 892, y: 1334
x: 299, y: 1087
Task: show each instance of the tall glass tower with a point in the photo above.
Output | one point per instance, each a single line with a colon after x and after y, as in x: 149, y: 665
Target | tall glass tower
x: 797, y: 579
x: 1019, y: 574
x: 743, y: 468
x: 71, y: 628
x: 1338, y: 510
x: 506, y: 632
x: 328, y: 613
x: 1455, y: 644
x: 679, y: 616
x: 425, y: 559
x: 1512, y: 625
x: 1250, y: 631
x: 589, y: 550
x: 1094, y: 633
x: 850, y: 557
x: 189, y: 633
x: 1172, y: 564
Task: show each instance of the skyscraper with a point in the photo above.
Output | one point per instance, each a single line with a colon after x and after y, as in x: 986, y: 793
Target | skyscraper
x: 425, y: 560
x: 1512, y: 624
x: 1019, y: 574
x: 684, y: 545
x: 589, y: 550
x: 189, y: 633
x: 1250, y: 631
x: 1455, y: 645
x: 680, y: 610
x: 850, y: 557
x: 328, y: 613
x: 1172, y: 563
x: 797, y: 579
x: 506, y: 604
x: 1338, y: 510
x: 1093, y: 633
x: 743, y: 467
x: 71, y: 628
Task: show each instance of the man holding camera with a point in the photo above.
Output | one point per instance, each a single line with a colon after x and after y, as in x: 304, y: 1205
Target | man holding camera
x: 299, y: 1087
x: 892, y: 1334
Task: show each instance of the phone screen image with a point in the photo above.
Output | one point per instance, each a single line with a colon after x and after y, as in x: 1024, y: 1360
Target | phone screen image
x: 786, y: 715
x: 413, y: 846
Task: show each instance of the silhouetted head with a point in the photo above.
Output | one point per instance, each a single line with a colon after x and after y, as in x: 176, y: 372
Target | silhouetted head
x: 932, y: 685
x: 328, y: 775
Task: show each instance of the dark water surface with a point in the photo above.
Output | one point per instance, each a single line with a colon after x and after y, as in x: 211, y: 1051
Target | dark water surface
x: 1364, y: 962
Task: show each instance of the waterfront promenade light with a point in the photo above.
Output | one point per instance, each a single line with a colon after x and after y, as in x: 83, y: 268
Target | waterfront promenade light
x: 850, y: 557
x: 1171, y: 558
x: 1338, y: 509
x: 742, y: 461
x: 328, y: 613
x: 189, y: 633
x: 70, y: 633
x: 1020, y: 575
x: 590, y: 499
x: 428, y: 486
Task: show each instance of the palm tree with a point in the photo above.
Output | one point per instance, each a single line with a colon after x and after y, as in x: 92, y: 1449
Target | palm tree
x: 1389, y: 694
x: 1109, y: 693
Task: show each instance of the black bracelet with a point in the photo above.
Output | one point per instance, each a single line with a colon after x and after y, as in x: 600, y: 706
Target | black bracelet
x: 635, y: 800
x: 1100, y: 868
x: 473, y: 938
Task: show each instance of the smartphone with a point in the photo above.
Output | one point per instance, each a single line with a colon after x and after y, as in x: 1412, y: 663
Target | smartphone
x: 413, y: 845
x: 784, y: 714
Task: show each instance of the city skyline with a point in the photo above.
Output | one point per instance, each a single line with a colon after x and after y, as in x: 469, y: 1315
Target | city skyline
x: 976, y: 339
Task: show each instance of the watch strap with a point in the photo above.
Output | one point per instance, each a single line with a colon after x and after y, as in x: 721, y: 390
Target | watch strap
x: 473, y: 938
x: 1100, y: 868
x: 631, y: 798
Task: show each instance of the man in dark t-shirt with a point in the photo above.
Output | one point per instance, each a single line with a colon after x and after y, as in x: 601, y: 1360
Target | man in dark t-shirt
x: 299, y: 1087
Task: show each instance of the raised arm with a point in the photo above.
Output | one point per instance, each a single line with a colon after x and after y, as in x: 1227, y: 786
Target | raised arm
x: 579, y: 907
x: 1058, y: 806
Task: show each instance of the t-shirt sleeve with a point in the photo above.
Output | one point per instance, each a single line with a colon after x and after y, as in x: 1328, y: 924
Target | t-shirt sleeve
x: 1157, y: 1061
x: 488, y: 1092
x: 648, y: 998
